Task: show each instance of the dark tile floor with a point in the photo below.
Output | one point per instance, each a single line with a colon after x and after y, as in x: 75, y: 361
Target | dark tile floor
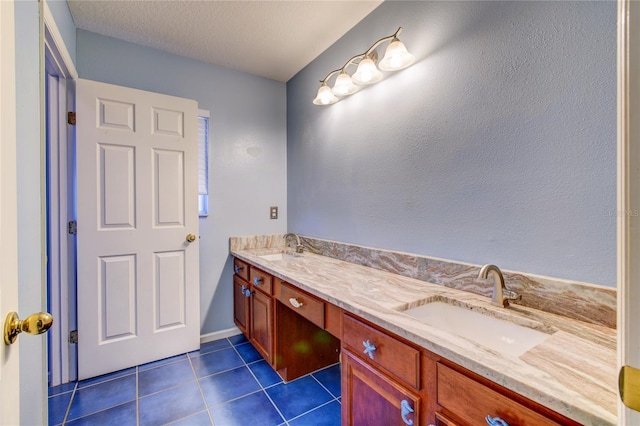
x: 225, y: 383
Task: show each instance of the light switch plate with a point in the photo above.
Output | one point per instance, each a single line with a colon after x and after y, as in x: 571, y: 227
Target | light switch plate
x: 273, y: 212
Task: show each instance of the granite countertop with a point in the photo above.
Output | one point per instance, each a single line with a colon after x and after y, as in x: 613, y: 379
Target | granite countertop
x: 573, y: 372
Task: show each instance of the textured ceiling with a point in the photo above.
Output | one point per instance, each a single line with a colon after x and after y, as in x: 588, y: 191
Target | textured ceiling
x: 273, y: 39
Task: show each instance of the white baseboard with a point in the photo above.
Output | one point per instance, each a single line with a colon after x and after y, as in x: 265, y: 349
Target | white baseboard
x: 216, y: 335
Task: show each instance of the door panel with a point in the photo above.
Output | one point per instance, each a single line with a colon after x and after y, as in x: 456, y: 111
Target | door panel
x: 170, y: 290
x: 168, y: 184
x: 138, y: 278
x: 117, y: 297
x: 117, y: 186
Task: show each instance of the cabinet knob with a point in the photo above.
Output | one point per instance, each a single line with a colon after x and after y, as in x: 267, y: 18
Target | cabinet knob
x: 256, y: 280
x: 369, y: 348
x: 248, y: 292
x: 496, y: 421
x: 405, y: 410
x: 294, y: 302
x: 238, y: 268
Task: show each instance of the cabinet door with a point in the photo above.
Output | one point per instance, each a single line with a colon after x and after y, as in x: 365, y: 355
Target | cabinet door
x: 240, y: 305
x: 262, y: 324
x: 372, y: 398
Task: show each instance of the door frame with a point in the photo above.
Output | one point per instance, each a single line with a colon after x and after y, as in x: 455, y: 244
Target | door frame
x: 628, y: 226
x: 62, y: 355
x: 9, y: 357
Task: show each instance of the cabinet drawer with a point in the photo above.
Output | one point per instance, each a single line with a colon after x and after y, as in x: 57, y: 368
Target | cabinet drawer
x: 471, y: 402
x: 302, y: 303
x: 261, y: 280
x: 398, y: 358
x: 241, y: 269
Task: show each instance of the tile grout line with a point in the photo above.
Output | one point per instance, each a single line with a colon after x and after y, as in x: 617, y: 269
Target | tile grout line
x: 137, y: 399
x: 204, y: 400
x: 66, y: 413
x: 315, y: 408
x: 323, y: 386
x: 262, y: 388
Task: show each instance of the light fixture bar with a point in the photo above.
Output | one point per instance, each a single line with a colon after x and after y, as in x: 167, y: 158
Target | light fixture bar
x: 396, y: 58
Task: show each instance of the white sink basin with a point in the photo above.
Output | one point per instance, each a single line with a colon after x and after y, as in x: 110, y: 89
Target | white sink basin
x: 499, y: 335
x: 272, y: 257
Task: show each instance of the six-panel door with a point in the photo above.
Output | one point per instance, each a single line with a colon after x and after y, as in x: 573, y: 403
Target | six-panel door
x: 138, y: 276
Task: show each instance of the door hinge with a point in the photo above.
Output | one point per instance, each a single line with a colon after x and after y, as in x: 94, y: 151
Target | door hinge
x: 73, y: 227
x: 73, y: 336
x: 71, y: 118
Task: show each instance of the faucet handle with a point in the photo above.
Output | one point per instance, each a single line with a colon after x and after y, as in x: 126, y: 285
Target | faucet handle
x: 511, y: 295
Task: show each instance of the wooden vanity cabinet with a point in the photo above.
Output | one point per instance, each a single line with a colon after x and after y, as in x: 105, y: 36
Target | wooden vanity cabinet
x: 284, y: 323
x: 253, y: 306
x: 370, y: 397
x: 241, y: 307
x: 262, y: 324
x: 261, y: 308
x: 464, y: 398
x: 381, y: 377
x: 385, y: 379
x: 400, y: 379
x: 303, y: 345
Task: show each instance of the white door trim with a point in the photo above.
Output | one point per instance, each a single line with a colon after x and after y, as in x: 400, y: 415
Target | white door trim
x: 62, y: 355
x: 60, y: 244
x: 628, y: 234
x: 9, y: 356
x: 55, y: 42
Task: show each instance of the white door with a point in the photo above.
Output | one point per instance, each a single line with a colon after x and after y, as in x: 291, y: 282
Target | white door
x: 9, y: 356
x: 138, y: 276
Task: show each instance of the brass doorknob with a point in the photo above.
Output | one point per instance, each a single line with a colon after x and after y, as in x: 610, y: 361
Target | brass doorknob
x: 34, y: 324
x: 191, y: 238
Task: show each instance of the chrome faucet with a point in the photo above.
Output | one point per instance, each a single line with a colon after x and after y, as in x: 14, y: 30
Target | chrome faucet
x: 501, y: 294
x: 298, y: 243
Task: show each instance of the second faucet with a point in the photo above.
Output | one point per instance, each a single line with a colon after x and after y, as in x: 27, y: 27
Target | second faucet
x: 501, y: 294
x: 299, y: 246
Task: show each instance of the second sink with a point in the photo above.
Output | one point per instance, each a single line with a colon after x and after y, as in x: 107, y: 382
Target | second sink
x: 499, y: 335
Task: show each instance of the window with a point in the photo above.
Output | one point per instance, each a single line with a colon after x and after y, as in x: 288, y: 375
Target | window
x: 203, y: 162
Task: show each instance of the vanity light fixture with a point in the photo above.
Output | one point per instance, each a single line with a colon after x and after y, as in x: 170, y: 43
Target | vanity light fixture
x: 396, y: 57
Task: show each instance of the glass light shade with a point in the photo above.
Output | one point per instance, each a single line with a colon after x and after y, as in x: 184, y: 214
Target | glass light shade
x: 367, y: 72
x: 344, y: 86
x: 396, y: 57
x: 325, y: 96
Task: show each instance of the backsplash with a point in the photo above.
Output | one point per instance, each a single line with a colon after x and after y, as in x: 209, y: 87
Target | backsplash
x: 585, y: 302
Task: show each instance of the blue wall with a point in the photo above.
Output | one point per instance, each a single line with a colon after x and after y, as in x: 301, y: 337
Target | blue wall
x: 497, y: 146
x: 247, y: 160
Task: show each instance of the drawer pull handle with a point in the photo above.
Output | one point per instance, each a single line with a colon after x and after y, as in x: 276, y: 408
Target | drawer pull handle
x: 256, y: 281
x: 405, y: 411
x: 369, y: 348
x: 238, y: 268
x: 294, y: 302
x: 496, y: 421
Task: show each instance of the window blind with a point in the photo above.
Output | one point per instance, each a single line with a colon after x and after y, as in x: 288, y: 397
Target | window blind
x: 203, y: 162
